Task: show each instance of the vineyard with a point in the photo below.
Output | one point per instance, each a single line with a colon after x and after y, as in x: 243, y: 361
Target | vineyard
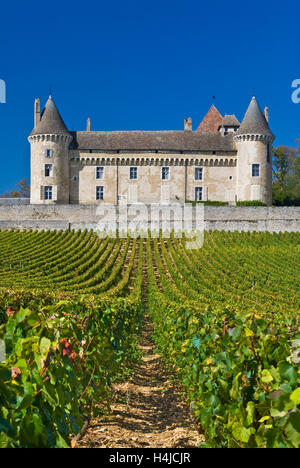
x: 226, y: 321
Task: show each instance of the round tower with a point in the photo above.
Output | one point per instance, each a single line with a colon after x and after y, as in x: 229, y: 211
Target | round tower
x: 50, y: 171
x: 253, y: 141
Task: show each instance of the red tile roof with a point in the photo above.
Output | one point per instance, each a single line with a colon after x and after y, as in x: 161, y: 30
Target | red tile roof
x: 211, y: 121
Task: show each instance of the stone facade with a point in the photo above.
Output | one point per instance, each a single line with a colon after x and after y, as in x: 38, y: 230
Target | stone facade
x: 214, y: 163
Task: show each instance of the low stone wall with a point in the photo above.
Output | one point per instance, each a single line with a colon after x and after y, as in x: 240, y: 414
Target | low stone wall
x: 273, y: 219
x: 252, y: 218
x: 14, y: 201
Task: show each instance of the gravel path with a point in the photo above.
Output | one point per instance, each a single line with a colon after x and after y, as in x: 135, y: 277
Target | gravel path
x: 147, y: 412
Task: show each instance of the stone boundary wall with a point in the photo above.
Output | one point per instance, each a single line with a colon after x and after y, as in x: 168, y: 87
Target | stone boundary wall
x: 273, y: 219
x: 14, y: 201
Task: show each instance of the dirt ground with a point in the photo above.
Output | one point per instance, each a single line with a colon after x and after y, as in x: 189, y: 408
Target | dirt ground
x: 148, y: 411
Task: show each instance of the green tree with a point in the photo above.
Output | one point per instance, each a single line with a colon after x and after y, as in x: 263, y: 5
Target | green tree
x: 286, y: 176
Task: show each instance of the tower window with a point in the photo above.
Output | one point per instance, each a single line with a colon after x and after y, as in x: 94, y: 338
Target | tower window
x: 133, y: 173
x: 255, y: 170
x: 49, y: 153
x: 99, y: 172
x: 48, y: 170
x: 165, y: 173
x: 48, y: 192
x: 198, y: 173
x: 198, y: 193
x: 99, y: 192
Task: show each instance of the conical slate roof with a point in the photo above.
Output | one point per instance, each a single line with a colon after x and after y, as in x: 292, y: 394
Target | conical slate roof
x: 254, y: 122
x: 51, y: 121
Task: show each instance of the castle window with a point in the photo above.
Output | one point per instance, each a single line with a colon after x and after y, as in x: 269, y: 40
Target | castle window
x: 198, y: 173
x: 165, y: 173
x: 48, y: 170
x: 255, y: 170
x: 49, y: 153
x: 133, y: 173
x: 198, y: 193
x: 99, y: 192
x: 48, y: 192
x: 99, y: 172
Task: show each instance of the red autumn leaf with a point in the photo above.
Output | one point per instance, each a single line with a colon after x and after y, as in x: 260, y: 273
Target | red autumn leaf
x: 72, y: 356
x: 67, y: 348
x: 10, y: 311
x: 15, y: 372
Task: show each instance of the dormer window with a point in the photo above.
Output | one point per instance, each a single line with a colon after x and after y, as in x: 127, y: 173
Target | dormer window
x: 229, y: 124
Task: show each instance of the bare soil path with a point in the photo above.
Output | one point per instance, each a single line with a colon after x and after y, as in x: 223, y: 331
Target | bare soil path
x: 148, y: 411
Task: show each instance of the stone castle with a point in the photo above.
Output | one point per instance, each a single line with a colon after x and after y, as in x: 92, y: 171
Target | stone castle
x: 222, y: 160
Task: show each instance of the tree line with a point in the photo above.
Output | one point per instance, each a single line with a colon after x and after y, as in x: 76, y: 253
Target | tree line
x: 286, y: 176
x: 21, y: 190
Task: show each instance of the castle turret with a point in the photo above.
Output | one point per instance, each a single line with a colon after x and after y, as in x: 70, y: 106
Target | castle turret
x: 254, y: 156
x: 49, y: 142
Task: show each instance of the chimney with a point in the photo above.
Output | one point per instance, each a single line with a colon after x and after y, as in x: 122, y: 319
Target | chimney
x: 188, y: 124
x: 266, y: 112
x: 88, y: 125
x: 37, y: 112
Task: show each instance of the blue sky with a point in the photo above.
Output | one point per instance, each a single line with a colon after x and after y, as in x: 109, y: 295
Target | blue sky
x: 144, y: 65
